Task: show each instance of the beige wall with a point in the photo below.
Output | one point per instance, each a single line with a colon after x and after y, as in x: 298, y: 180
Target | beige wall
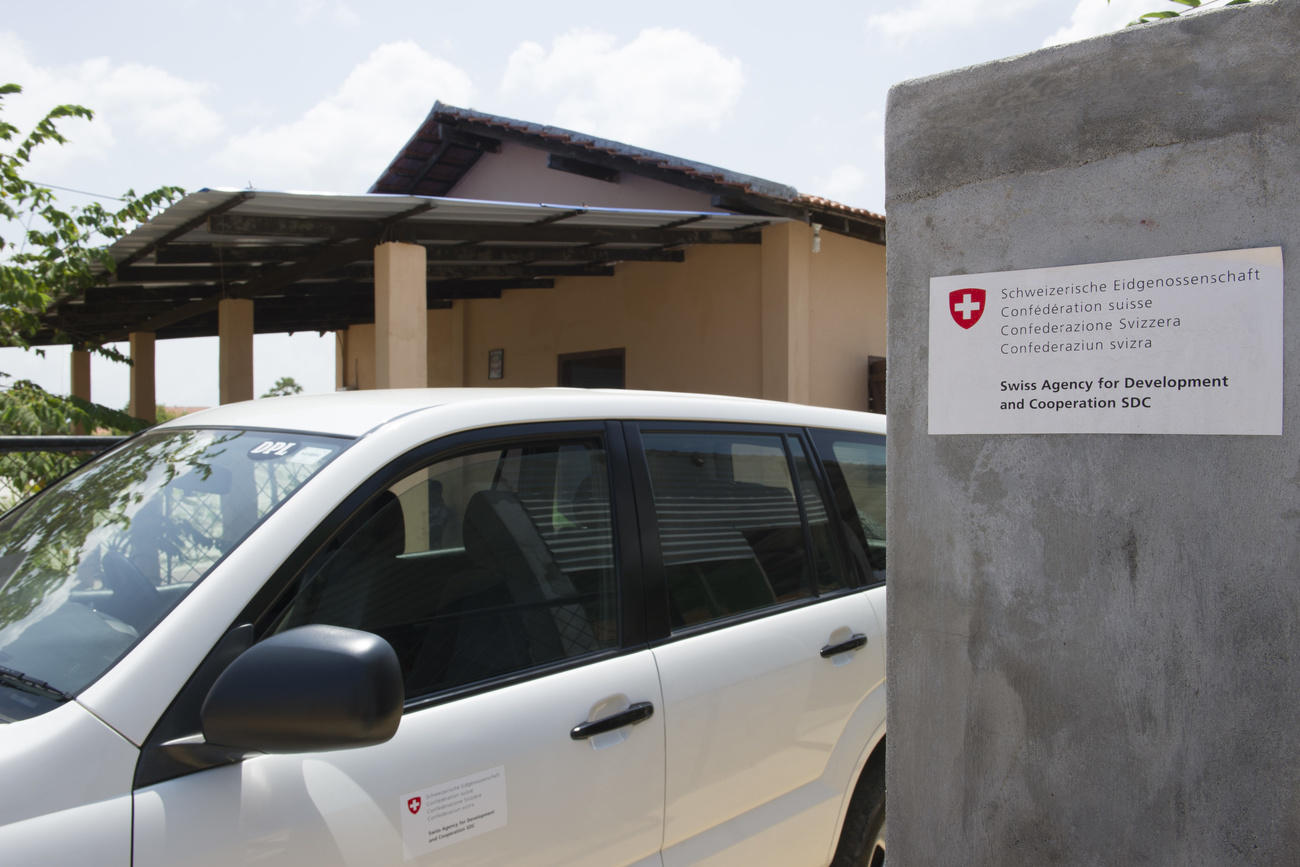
x: 690, y: 326
x: 447, y: 347
x: 847, y: 319
x: 354, y: 358
x: 518, y: 173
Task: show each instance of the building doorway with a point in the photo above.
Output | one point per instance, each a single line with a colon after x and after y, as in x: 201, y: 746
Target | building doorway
x: 875, y: 384
x: 603, y: 368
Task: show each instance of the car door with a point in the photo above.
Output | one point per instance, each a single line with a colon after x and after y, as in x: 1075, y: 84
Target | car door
x: 854, y: 464
x: 496, y: 564
x: 769, y: 652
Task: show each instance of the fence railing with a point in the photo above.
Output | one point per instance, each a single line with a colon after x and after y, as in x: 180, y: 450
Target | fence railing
x: 29, y: 463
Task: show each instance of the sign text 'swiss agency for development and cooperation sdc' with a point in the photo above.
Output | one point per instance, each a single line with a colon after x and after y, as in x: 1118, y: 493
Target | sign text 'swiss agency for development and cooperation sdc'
x: 1172, y: 345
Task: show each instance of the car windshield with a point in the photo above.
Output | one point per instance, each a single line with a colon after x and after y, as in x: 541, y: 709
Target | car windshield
x: 90, y: 565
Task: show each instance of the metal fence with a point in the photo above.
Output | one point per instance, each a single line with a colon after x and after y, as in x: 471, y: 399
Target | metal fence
x: 29, y: 463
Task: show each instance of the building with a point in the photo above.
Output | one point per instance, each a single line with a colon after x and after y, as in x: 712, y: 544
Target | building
x: 649, y: 271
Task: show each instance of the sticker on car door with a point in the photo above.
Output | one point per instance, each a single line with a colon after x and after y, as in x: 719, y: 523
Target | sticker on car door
x: 453, y: 811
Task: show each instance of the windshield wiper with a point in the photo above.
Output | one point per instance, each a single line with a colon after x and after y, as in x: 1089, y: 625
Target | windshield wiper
x: 18, y: 680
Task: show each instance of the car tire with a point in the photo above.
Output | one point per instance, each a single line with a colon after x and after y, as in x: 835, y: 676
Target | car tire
x: 862, y: 840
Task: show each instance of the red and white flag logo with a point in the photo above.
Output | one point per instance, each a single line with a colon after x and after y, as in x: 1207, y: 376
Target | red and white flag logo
x: 413, y: 805
x: 966, y: 306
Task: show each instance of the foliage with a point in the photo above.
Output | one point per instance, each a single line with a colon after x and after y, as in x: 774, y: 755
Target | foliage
x: 49, y: 252
x: 285, y: 385
x: 1193, y: 4
x: 61, y: 250
x: 167, y: 413
x: 26, y: 409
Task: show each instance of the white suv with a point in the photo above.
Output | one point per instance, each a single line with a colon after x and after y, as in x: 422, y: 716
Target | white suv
x: 552, y: 627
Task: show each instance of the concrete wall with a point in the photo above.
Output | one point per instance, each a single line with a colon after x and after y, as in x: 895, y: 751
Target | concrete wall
x: 1094, y: 639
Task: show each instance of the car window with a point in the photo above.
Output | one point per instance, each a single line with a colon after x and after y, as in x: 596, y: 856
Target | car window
x: 480, y: 565
x: 855, y: 463
x: 829, y: 573
x: 731, y: 533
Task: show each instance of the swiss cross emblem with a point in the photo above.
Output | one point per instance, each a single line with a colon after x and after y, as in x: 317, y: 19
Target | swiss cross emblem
x: 966, y: 306
x: 413, y: 804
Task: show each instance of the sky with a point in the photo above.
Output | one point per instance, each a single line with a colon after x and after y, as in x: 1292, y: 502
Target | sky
x: 319, y: 95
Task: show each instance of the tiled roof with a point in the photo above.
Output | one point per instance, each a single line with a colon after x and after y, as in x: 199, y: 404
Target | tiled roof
x: 832, y: 205
x: 451, y: 140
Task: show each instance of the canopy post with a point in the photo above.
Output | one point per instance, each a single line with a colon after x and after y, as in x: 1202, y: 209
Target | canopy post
x: 143, y: 403
x: 235, y: 341
x: 401, y: 322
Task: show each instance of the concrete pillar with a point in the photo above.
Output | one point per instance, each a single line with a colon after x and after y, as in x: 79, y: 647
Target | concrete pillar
x: 235, y: 336
x: 401, y: 324
x: 447, y: 346
x: 80, y: 375
x: 786, y: 299
x: 143, y: 404
x: 1094, y: 638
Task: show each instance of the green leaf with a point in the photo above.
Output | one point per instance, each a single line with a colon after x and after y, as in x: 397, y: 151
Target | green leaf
x: 1192, y: 3
x: 1151, y: 16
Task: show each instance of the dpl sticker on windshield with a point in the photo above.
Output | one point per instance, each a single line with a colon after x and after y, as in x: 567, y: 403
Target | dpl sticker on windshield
x: 271, y: 449
x: 453, y: 811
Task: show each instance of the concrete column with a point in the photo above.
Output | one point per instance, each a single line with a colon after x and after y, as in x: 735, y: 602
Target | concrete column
x: 447, y: 346
x: 80, y: 380
x: 1093, y: 638
x: 143, y: 404
x: 786, y: 299
x: 401, y: 324
x: 235, y: 336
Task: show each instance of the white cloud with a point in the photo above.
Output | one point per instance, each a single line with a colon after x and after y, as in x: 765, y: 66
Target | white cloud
x: 926, y: 16
x: 844, y: 183
x: 156, y: 103
x: 660, y: 82
x: 128, y: 99
x: 343, y: 142
x: 1093, y: 18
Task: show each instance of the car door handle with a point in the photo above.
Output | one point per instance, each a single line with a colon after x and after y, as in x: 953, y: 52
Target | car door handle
x: 642, y: 710
x: 854, y: 642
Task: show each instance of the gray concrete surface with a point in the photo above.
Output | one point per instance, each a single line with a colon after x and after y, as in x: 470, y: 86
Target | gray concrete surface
x: 1093, y: 639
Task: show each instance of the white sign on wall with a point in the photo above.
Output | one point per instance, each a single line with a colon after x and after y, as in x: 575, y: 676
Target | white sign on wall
x: 1173, y: 345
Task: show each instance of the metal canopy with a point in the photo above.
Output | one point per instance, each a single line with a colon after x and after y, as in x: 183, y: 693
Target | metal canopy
x: 307, y: 258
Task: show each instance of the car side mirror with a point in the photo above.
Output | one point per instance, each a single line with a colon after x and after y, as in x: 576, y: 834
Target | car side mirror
x: 308, y: 689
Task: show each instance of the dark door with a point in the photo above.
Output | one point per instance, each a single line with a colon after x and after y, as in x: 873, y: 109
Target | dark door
x: 600, y: 369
